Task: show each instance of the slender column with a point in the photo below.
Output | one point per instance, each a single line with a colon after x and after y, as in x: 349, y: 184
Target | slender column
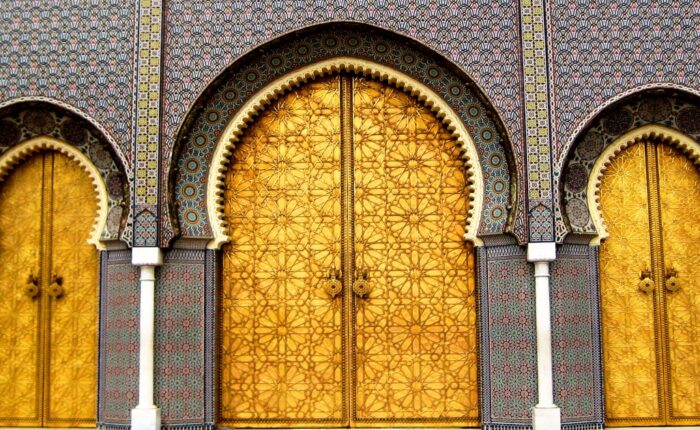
x: 545, y: 415
x: 146, y: 415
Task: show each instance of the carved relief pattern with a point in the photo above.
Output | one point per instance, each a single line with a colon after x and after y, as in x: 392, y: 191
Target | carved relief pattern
x: 282, y: 356
x: 72, y: 357
x: 629, y: 349
x: 59, y: 334
x: 416, y: 336
x: 19, y: 315
x: 679, y: 183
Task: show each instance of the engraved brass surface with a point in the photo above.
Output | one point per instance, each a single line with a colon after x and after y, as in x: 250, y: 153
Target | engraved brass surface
x: 650, y: 197
x: 47, y: 208
x: 355, y: 174
x: 679, y: 190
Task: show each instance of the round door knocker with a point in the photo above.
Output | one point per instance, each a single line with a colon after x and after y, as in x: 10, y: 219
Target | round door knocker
x: 32, y: 287
x: 646, y: 284
x: 672, y: 283
x: 361, y: 287
x: 56, y: 287
x: 333, y: 284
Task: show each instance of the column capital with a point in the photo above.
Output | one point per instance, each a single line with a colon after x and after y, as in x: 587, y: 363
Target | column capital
x: 541, y: 251
x: 147, y: 256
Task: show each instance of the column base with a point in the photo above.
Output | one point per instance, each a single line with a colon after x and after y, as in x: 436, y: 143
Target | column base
x: 546, y: 418
x: 147, y: 418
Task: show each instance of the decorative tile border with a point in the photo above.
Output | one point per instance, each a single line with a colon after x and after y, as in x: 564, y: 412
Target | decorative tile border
x: 537, y: 128
x: 147, y: 122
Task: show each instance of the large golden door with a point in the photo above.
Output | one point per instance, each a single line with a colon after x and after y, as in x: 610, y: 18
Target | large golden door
x: 48, y: 295
x: 650, y: 287
x: 348, y: 293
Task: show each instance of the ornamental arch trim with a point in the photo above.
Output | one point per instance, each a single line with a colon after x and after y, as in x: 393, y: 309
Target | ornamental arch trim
x: 674, y: 111
x: 29, y: 124
x: 657, y: 133
x: 240, y: 121
x: 13, y: 157
x: 186, y: 188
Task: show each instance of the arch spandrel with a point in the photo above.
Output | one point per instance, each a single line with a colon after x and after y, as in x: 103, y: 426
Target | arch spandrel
x: 30, y: 126
x: 646, y: 133
x: 246, y: 86
x: 657, y: 114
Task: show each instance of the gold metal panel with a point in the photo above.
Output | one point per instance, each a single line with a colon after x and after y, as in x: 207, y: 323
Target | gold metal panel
x: 282, y: 348
x: 71, y: 366
x: 20, y: 318
x: 415, y: 332
x: 630, y: 358
x: 679, y: 186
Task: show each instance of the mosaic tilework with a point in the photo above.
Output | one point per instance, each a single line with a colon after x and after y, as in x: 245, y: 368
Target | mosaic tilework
x: 147, y: 122
x: 202, y: 39
x: 673, y: 109
x: 183, y: 347
x: 508, y: 346
x: 253, y: 73
x: 537, y: 132
x: 603, y: 51
x: 576, y: 352
x: 23, y: 121
x: 76, y: 52
x: 119, y: 341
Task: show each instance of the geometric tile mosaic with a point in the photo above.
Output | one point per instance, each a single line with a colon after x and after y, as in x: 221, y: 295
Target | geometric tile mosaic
x: 508, y: 358
x: 576, y: 352
x: 76, y: 52
x: 202, y: 39
x: 119, y: 340
x: 253, y: 72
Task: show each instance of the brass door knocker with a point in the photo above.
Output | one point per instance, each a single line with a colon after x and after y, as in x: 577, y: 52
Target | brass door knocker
x: 646, y: 284
x: 361, y: 287
x: 333, y: 285
x: 56, y: 287
x: 672, y: 283
x: 32, y: 287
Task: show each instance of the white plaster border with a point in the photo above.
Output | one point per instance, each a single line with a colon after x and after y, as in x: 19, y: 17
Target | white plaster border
x: 246, y: 114
x: 24, y: 150
x: 651, y: 131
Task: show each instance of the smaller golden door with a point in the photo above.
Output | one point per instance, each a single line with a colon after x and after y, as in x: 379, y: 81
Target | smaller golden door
x: 48, y: 295
x: 650, y: 288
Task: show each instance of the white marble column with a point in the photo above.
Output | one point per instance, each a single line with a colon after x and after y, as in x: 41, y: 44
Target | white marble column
x: 146, y: 415
x: 545, y: 415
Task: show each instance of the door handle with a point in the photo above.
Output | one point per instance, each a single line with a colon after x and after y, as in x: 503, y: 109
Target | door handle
x: 333, y: 284
x: 361, y: 286
x: 56, y: 287
x: 646, y: 284
x: 31, y: 289
x: 672, y: 283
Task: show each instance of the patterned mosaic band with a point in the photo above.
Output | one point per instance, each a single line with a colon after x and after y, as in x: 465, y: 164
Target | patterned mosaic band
x: 119, y: 341
x: 537, y: 129
x: 147, y: 122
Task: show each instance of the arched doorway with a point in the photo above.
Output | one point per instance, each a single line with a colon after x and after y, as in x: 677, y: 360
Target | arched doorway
x: 48, y: 293
x: 348, y: 291
x: 650, y: 293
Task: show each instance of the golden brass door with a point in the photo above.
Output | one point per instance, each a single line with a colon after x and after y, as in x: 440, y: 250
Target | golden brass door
x: 348, y: 293
x: 649, y: 268
x: 48, y: 295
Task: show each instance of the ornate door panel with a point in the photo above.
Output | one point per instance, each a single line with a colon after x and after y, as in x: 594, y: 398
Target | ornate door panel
x: 649, y: 196
x: 331, y: 189
x: 282, y: 356
x: 679, y: 190
x: 71, y: 366
x: 415, y: 331
x: 20, y: 318
x: 61, y: 293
